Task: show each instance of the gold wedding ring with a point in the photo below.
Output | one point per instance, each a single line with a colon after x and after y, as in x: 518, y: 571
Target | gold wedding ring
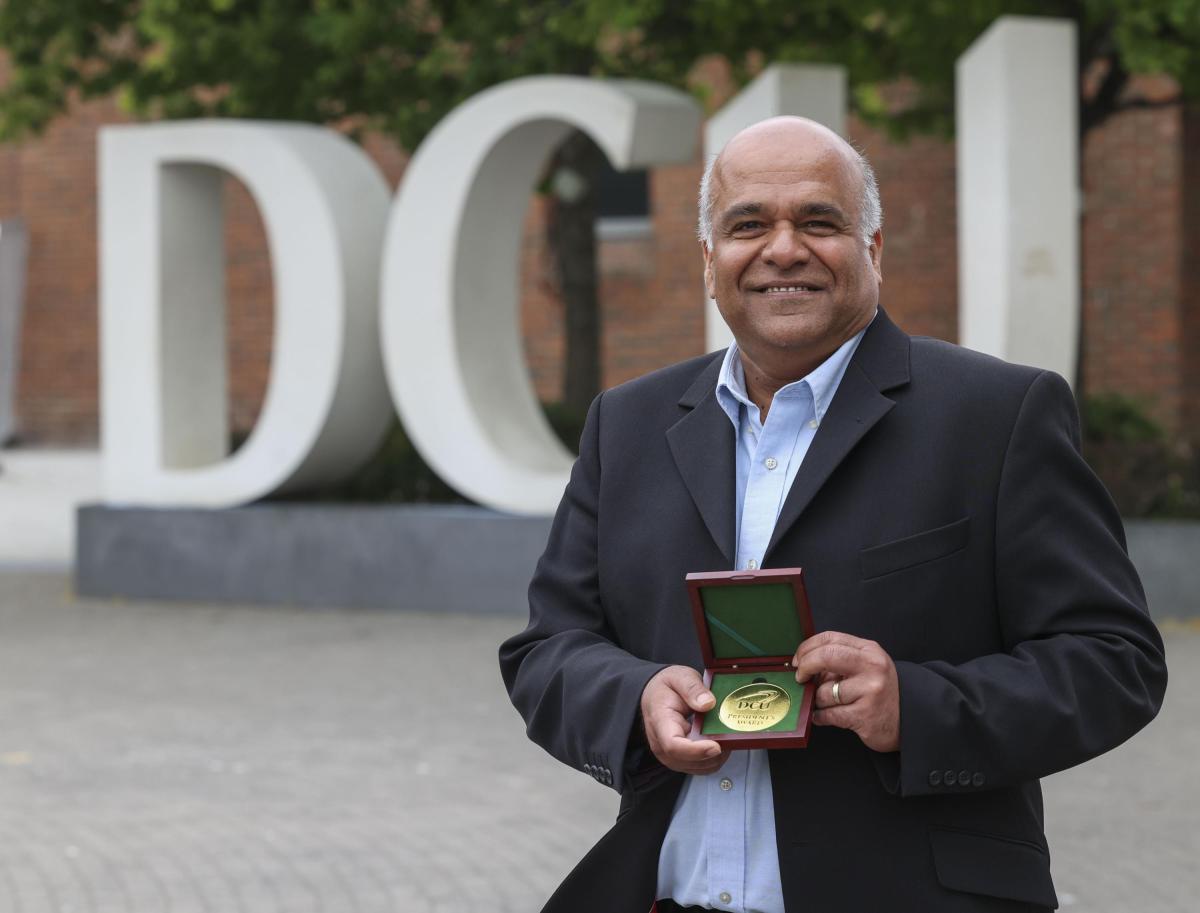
x: 837, y: 691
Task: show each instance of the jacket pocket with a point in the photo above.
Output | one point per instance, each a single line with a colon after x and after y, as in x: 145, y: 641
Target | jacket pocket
x: 993, y: 866
x: 913, y: 550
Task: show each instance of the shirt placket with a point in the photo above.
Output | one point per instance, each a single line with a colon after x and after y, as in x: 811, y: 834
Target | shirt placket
x: 727, y: 846
x: 766, y: 481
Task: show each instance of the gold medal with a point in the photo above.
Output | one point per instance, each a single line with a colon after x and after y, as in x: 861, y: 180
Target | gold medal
x: 754, y: 707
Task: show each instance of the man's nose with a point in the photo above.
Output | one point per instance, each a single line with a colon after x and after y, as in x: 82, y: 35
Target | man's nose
x: 785, y: 247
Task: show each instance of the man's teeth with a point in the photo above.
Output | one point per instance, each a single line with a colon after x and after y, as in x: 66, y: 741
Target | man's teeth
x: 790, y: 288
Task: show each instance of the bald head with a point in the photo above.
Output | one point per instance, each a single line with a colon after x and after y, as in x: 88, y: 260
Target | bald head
x: 776, y: 137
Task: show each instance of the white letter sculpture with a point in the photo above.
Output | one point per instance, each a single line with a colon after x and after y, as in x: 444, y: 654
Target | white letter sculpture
x: 452, y: 340
x: 162, y: 312
x: 14, y: 248
x: 1018, y: 197
x: 815, y: 91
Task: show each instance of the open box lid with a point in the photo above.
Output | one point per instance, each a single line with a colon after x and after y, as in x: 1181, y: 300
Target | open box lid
x: 749, y: 618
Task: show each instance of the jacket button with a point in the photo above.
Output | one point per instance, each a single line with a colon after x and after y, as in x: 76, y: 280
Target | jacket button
x: 978, y: 780
x: 587, y: 768
x: 949, y: 778
x: 964, y: 778
x: 935, y: 778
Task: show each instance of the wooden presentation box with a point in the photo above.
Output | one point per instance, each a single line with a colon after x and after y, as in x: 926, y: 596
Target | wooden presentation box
x: 750, y: 624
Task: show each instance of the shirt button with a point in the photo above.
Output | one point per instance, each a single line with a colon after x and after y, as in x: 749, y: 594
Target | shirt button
x: 725, y: 897
x: 813, y: 423
x: 726, y: 784
x: 752, y: 564
x: 770, y: 462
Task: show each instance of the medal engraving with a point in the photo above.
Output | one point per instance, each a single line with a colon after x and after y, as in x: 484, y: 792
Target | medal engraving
x: 754, y: 707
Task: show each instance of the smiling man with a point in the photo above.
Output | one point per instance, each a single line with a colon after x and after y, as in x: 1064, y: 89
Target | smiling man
x: 980, y: 623
x: 792, y: 247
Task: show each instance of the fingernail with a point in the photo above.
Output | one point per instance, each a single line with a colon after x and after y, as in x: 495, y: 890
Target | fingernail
x: 713, y: 752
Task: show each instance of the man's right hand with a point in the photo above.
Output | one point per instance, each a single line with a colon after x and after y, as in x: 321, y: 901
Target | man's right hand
x: 667, y: 701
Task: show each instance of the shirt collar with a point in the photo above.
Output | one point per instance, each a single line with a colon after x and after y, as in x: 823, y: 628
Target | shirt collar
x: 822, y: 382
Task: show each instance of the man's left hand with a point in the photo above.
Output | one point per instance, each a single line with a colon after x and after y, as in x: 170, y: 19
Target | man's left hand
x: 867, y: 700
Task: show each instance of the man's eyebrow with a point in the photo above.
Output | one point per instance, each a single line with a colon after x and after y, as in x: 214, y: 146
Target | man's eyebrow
x: 805, y: 211
x: 740, y: 210
x: 821, y: 209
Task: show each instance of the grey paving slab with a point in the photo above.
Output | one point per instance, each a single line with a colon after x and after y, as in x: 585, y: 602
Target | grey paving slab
x: 188, y: 758
x: 167, y: 758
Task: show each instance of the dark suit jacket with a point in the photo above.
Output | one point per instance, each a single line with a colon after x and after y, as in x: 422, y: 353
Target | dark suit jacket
x: 944, y: 511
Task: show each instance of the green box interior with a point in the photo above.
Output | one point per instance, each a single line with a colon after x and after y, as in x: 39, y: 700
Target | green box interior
x: 724, y: 682
x: 753, y: 619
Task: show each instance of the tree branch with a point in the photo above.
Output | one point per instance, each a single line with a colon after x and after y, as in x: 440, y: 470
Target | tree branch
x: 1151, y: 103
x: 1106, y: 100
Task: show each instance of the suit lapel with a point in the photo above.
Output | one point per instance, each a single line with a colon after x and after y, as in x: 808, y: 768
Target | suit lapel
x: 702, y: 445
x: 880, y: 363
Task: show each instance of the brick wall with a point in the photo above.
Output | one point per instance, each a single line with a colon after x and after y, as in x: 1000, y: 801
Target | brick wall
x: 1133, y: 250
x: 1190, y: 280
x: 920, y: 225
x: 51, y: 183
x: 1141, y: 294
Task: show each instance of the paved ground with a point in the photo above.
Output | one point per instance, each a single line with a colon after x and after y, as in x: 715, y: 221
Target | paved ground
x: 169, y: 759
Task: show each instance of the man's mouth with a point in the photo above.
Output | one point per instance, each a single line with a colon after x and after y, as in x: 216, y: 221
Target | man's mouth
x: 788, y: 288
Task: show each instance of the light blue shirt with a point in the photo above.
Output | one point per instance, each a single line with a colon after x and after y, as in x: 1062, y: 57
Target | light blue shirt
x: 720, y: 850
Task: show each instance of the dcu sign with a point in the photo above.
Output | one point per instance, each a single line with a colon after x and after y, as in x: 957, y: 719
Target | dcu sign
x: 412, y: 303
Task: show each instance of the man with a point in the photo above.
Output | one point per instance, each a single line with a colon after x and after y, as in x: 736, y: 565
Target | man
x: 981, y: 625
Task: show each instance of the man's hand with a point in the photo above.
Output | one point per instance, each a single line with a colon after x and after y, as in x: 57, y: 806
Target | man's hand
x: 667, y: 701
x: 868, y: 696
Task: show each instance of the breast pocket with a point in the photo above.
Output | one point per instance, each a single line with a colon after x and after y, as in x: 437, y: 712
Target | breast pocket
x: 918, y: 549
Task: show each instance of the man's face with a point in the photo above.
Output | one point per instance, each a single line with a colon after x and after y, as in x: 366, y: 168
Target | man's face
x: 787, y: 266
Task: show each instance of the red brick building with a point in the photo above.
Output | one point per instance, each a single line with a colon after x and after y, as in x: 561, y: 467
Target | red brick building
x: 1141, y: 254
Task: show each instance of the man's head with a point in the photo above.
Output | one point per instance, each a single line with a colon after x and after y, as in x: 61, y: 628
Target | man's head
x: 790, y: 230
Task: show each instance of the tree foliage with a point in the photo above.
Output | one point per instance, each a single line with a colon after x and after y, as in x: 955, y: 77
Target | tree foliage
x: 399, y: 66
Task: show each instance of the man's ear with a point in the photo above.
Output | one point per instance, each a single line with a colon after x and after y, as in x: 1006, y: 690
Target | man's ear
x: 876, y: 252
x: 709, y: 284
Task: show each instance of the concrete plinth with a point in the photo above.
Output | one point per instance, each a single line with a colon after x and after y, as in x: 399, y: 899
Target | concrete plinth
x: 425, y: 558
x: 1165, y: 553
x: 443, y: 558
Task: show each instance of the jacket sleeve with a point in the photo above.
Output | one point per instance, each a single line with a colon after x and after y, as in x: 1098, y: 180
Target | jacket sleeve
x: 578, y: 691
x: 1083, y: 667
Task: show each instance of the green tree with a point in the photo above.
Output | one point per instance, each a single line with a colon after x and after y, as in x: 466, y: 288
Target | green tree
x: 400, y: 66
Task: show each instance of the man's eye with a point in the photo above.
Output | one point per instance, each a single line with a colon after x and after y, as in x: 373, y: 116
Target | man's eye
x: 819, y: 227
x: 747, y: 226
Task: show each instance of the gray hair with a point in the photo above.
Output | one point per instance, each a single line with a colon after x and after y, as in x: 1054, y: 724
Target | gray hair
x: 870, y: 209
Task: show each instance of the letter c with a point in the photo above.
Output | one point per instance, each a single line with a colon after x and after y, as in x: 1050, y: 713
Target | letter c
x: 449, y: 292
